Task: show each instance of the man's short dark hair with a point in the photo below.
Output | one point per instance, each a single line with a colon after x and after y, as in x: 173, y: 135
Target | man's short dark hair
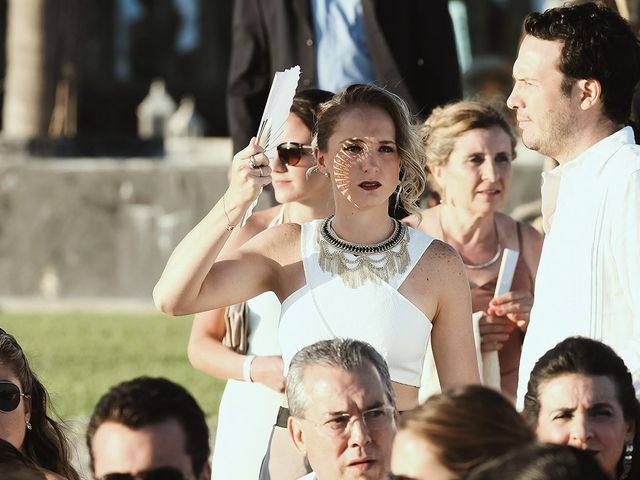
x: 597, y: 43
x: 147, y: 401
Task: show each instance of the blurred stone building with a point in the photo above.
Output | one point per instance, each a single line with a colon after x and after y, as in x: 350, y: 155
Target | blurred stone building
x: 79, y: 69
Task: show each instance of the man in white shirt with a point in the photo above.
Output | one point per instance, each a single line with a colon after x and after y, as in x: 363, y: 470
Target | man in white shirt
x: 574, y: 79
x: 342, y: 406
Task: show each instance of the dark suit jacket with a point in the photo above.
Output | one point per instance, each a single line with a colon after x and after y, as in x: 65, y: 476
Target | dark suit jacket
x: 411, y: 44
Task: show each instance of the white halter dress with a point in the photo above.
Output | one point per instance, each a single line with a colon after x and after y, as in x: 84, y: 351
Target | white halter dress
x: 324, y: 308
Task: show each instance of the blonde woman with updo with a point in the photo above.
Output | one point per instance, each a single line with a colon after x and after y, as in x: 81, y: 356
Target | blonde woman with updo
x: 355, y: 274
x: 470, y: 147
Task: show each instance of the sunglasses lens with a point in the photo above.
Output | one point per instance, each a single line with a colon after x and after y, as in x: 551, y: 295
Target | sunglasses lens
x: 9, y: 397
x: 290, y: 153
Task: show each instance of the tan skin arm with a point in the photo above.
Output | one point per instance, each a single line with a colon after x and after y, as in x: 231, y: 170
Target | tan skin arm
x: 452, y: 334
x: 194, y: 279
x: 208, y: 354
x: 206, y: 351
x: 440, y: 289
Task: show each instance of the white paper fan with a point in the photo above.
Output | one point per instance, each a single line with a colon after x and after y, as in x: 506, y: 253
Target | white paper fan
x: 275, y: 115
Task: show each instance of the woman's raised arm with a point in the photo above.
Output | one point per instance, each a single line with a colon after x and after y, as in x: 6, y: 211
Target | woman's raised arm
x: 192, y: 281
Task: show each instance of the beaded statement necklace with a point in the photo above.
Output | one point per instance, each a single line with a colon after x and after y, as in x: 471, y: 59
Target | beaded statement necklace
x: 357, y: 264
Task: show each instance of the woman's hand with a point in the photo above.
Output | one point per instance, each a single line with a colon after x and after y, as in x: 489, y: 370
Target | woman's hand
x: 268, y: 370
x: 494, y: 331
x: 515, y: 305
x: 250, y: 172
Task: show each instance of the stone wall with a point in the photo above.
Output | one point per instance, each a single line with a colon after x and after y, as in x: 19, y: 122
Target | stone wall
x: 99, y: 227
x: 77, y: 228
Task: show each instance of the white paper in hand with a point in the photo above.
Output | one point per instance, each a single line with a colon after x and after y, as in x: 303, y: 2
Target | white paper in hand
x: 507, y: 269
x: 275, y: 115
x: 490, y: 368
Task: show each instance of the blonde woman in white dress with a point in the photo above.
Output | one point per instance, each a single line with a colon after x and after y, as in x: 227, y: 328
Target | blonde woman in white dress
x: 369, y: 148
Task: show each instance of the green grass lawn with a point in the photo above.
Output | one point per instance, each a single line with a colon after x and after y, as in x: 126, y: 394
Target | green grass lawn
x: 78, y: 356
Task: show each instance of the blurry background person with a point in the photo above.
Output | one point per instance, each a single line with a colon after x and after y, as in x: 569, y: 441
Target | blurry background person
x: 407, y: 47
x: 24, y: 419
x: 470, y: 147
x: 580, y: 393
x: 149, y: 428
x: 342, y: 410
x: 251, y: 405
x: 541, y: 462
x: 453, y: 432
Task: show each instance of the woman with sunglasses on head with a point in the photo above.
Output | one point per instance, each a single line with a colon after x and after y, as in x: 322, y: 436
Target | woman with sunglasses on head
x: 24, y: 420
x: 303, y: 195
x: 358, y: 274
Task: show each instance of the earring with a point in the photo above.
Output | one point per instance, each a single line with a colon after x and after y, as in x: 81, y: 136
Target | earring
x: 29, y: 426
x: 310, y: 171
x: 627, y: 461
x: 398, y: 193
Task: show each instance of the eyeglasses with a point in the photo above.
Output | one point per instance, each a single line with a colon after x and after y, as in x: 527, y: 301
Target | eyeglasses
x: 161, y: 473
x: 374, y: 419
x: 290, y: 153
x: 10, y: 396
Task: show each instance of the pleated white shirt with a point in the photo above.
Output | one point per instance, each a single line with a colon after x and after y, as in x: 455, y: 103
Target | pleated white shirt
x: 588, y: 281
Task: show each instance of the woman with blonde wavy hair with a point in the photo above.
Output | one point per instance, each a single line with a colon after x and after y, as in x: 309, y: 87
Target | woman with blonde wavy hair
x: 357, y: 274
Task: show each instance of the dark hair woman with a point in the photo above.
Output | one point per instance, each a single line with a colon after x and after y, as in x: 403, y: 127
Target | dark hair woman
x: 580, y: 393
x: 24, y: 415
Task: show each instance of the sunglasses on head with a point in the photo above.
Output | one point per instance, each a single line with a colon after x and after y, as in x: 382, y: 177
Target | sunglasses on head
x: 290, y: 153
x: 161, y: 473
x: 10, y: 396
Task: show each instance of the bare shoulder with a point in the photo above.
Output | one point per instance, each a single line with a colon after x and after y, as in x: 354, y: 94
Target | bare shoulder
x: 440, y: 251
x: 530, y: 234
x: 412, y: 221
x: 279, y: 242
x: 441, y: 260
x: 531, y: 238
x: 532, y: 245
x: 437, y: 276
x: 259, y: 221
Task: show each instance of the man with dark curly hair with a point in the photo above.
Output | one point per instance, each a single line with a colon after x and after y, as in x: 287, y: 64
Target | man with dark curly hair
x: 148, y: 428
x: 574, y: 79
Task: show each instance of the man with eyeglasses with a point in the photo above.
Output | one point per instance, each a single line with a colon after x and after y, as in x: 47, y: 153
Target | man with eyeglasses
x: 148, y: 429
x: 342, y: 407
